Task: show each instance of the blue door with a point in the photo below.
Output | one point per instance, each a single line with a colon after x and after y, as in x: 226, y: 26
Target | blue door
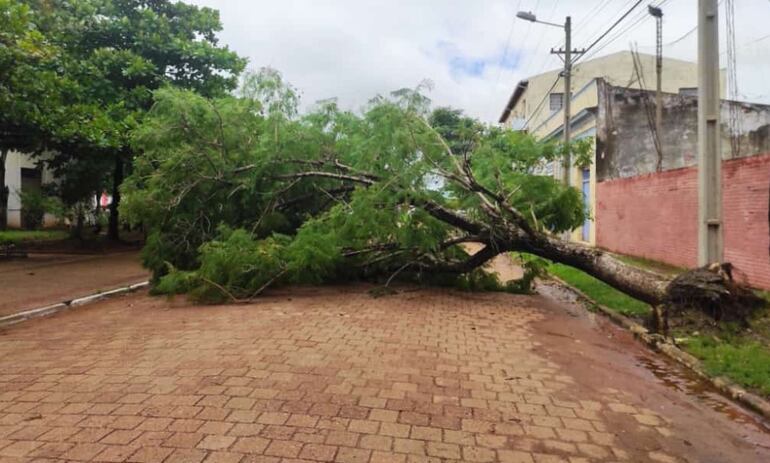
x: 587, y: 203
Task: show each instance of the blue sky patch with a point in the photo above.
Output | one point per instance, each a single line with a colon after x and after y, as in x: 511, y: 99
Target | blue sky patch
x: 474, y: 66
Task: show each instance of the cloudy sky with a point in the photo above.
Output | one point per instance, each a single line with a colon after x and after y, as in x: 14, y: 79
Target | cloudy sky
x: 473, y: 51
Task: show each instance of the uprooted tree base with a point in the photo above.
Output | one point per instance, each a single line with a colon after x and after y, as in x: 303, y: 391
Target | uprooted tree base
x: 709, y: 295
x: 237, y: 201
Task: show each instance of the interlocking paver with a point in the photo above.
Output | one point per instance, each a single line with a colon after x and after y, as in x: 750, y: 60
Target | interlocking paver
x: 417, y: 377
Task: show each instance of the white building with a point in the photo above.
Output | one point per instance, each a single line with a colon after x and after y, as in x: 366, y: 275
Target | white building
x: 23, y: 173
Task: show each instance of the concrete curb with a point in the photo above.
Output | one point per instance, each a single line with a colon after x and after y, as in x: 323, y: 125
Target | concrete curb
x: 64, y: 305
x: 665, y: 346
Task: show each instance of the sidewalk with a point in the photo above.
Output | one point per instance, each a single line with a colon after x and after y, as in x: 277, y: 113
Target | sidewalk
x: 42, y: 279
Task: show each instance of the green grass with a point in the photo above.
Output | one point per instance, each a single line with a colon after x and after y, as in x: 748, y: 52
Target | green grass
x: 735, y: 355
x: 649, y: 264
x: 745, y: 362
x: 599, y: 291
x: 21, y: 236
x: 763, y: 294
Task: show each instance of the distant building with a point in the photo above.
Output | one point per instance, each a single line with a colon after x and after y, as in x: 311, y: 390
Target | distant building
x: 646, y: 203
x: 536, y: 106
x: 23, y: 173
x: 635, y: 208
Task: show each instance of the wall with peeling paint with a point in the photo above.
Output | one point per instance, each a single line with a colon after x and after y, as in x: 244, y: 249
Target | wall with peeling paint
x: 642, y: 212
x: 625, y: 144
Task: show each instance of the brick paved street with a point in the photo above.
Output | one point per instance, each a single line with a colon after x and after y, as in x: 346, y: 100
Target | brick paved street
x: 333, y: 374
x: 44, y: 279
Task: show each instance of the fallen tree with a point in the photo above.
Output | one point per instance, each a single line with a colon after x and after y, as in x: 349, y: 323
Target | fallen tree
x: 241, y: 193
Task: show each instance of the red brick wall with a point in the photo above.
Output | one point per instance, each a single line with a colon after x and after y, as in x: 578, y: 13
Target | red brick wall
x: 655, y: 216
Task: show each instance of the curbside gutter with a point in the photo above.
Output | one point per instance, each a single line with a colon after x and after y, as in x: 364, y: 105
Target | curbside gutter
x: 64, y: 305
x: 660, y: 343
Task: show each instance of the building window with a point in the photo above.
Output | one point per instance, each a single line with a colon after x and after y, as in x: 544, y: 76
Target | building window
x: 556, y: 101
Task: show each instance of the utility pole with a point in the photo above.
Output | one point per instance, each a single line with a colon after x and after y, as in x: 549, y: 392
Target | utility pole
x: 568, y: 53
x: 567, y: 98
x: 658, y: 14
x: 710, y: 244
x: 566, y: 168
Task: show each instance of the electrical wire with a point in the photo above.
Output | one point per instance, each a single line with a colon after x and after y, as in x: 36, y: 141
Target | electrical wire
x: 734, y: 118
x: 507, y: 47
x: 599, y: 5
x: 636, y: 21
x: 597, y: 31
x: 526, y: 36
x: 542, y: 33
x: 686, y: 34
x: 537, y: 108
x: 593, y: 44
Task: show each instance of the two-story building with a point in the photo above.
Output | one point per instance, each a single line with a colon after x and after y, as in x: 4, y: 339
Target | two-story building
x: 536, y: 106
x: 641, y: 188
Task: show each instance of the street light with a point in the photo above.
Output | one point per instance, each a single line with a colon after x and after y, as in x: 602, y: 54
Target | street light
x: 529, y: 16
x: 567, y: 73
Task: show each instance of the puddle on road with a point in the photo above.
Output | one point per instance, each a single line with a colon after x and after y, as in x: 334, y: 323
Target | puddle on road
x: 677, y: 378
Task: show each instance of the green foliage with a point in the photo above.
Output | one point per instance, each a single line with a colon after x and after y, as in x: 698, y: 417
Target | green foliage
x: 534, y: 267
x: 239, y: 192
x: 460, y: 132
x: 235, y: 265
x: 34, y: 206
x: 743, y: 361
x: 77, y: 77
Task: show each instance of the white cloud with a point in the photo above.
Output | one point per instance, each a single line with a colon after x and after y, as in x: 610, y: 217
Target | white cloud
x: 355, y: 49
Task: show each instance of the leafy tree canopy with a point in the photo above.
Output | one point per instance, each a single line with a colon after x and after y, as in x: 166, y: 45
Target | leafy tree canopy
x: 243, y: 192
x: 77, y: 76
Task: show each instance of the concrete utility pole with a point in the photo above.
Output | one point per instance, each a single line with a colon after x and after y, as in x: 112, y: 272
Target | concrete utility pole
x: 710, y: 245
x: 567, y: 98
x: 657, y: 13
x: 568, y: 53
x: 568, y: 59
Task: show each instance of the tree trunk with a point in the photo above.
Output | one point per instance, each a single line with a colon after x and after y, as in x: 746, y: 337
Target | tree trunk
x: 3, y: 191
x: 641, y: 284
x: 113, y: 231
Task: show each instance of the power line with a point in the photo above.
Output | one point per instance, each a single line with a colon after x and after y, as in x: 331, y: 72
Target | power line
x: 640, y: 18
x: 633, y: 25
x: 542, y: 33
x: 686, y: 34
x: 759, y: 39
x: 526, y: 37
x: 600, y: 4
x: 732, y: 80
x: 507, y: 46
x: 633, y: 7
x: 590, y: 14
x: 537, y: 108
x: 597, y: 31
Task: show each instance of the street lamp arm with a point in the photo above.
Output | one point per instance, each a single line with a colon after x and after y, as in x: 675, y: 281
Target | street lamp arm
x: 561, y: 26
x: 529, y: 16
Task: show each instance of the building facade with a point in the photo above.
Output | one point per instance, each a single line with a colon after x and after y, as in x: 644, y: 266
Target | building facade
x: 23, y: 173
x: 536, y: 105
x: 642, y: 195
x: 647, y: 200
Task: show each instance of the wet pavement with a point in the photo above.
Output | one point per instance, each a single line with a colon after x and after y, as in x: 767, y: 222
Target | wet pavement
x: 44, y: 279
x: 333, y: 374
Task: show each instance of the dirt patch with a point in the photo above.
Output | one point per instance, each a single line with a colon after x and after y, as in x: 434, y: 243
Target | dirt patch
x: 43, y: 279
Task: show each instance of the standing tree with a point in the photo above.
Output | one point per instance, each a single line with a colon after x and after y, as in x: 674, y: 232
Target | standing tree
x: 27, y: 85
x: 241, y: 194
x: 111, y: 56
